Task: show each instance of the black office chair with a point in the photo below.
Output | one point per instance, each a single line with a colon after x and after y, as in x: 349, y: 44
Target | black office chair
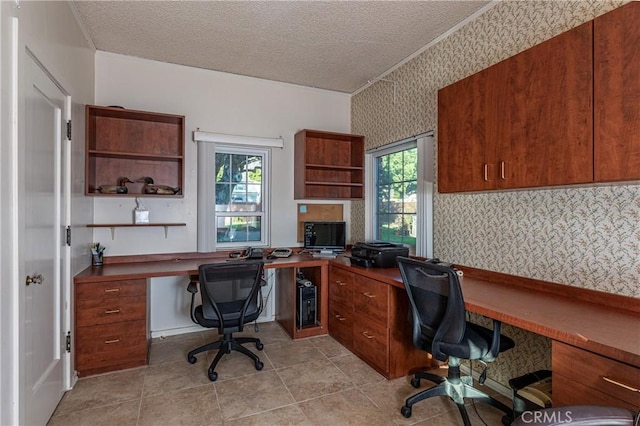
x: 230, y: 293
x: 440, y: 328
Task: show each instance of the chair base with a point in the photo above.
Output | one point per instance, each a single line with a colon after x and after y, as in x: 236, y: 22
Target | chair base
x: 225, y: 345
x: 455, y: 387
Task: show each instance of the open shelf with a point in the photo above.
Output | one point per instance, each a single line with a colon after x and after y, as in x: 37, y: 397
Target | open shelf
x: 133, y: 144
x: 328, y: 165
x: 113, y: 226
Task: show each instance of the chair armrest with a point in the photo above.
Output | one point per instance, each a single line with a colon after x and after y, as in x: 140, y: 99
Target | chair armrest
x: 193, y: 289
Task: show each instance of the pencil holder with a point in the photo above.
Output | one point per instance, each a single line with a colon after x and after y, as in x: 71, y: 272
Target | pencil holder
x: 96, y: 259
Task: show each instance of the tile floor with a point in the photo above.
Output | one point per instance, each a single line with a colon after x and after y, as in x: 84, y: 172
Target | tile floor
x: 314, y: 381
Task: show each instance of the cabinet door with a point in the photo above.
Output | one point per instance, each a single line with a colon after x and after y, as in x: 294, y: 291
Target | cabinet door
x: 466, y: 136
x: 544, y: 102
x: 617, y: 91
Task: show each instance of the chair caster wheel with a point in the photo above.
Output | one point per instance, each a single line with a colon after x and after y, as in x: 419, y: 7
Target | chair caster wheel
x: 415, y: 382
x: 192, y: 359
x: 213, y: 376
x: 259, y: 346
x: 259, y: 365
x: 406, y: 411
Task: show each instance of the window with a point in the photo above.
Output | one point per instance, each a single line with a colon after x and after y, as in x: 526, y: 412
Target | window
x: 399, y: 179
x: 233, y: 191
x: 396, y: 197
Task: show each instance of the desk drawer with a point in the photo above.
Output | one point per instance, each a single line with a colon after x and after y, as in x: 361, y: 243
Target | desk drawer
x: 371, y: 342
x: 341, y: 287
x: 341, y: 324
x: 371, y: 300
x: 598, y: 374
x: 119, y: 346
x: 123, y: 288
x: 568, y: 391
x: 108, y: 310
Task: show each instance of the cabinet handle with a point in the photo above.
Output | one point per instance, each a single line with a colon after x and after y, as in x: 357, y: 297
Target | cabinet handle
x: 341, y: 283
x: 369, y: 295
x: 367, y: 335
x: 502, y: 175
x: 485, y: 171
x: 340, y: 318
x: 622, y: 385
x: 112, y: 311
x: 107, y: 342
x: 112, y: 290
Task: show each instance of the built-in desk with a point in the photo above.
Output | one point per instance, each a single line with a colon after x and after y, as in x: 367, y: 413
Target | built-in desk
x: 595, y: 335
x: 582, y: 323
x: 111, y: 310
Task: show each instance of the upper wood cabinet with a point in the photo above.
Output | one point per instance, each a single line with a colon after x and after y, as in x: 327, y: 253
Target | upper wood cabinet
x: 133, y: 144
x: 617, y: 94
x: 328, y: 165
x: 524, y: 122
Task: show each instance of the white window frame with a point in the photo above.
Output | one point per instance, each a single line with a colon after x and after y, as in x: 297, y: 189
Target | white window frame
x: 207, y: 216
x: 424, y: 193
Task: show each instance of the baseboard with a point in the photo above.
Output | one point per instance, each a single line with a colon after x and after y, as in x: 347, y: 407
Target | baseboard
x: 498, y: 387
x: 188, y: 329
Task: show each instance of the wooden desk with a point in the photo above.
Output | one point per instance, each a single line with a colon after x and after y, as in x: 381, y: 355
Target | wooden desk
x: 595, y: 335
x: 111, y: 310
x: 603, y: 324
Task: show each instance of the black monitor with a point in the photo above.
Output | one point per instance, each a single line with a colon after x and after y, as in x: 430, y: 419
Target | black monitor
x: 325, y: 236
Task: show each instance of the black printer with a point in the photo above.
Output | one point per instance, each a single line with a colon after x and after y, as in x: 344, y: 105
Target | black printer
x: 377, y: 254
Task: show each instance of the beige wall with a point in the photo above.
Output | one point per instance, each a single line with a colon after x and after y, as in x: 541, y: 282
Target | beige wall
x: 585, y: 237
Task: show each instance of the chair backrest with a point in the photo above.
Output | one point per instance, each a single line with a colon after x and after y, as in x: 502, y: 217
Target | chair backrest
x: 437, y: 305
x: 229, y: 291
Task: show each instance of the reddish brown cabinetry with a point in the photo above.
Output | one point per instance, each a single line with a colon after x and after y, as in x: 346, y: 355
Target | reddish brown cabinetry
x: 133, y: 144
x: 328, y: 165
x: 111, y: 326
x: 286, y: 295
x: 581, y: 377
x: 370, y: 318
x: 617, y: 94
x: 524, y: 122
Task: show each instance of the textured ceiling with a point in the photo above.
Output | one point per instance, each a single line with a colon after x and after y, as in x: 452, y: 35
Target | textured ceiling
x: 334, y: 45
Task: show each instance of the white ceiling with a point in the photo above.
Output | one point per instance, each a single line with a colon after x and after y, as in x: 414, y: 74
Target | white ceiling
x: 334, y: 45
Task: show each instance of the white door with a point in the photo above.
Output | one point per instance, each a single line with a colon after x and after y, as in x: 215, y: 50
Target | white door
x: 41, y: 171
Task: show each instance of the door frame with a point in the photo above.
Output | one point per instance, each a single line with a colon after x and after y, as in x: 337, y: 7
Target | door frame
x: 16, y: 406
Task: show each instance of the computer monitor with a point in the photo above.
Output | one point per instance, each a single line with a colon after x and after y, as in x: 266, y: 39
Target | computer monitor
x: 325, y: 236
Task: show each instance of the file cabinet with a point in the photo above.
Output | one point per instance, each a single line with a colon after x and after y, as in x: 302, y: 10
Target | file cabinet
x: 370, y: 318
x: 111, y: 326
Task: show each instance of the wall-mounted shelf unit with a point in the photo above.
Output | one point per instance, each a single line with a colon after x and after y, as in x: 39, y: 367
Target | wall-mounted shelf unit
x: 133, y: 144
x: 328, y: 165
x: 113, y: 226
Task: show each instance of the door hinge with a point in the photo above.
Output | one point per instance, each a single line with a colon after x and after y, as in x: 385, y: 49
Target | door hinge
x: 68, y: 236
x: 69, y: 129
x: 68, y: 342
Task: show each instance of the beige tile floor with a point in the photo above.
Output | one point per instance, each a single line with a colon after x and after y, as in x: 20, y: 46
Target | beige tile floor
x: 314, y: 381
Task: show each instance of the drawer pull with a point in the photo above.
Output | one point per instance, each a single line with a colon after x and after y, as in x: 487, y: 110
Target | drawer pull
x: 367, y: 335
x: 622, y: 385
x: 113, y: 311
x: 369, y: 295
x: 340, y: 318
x: 341, y: 283
x: 107, y: 342
x: 111, y: 290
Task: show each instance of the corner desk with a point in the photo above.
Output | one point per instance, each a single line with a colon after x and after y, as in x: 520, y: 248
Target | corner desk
x: 595, y: 335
